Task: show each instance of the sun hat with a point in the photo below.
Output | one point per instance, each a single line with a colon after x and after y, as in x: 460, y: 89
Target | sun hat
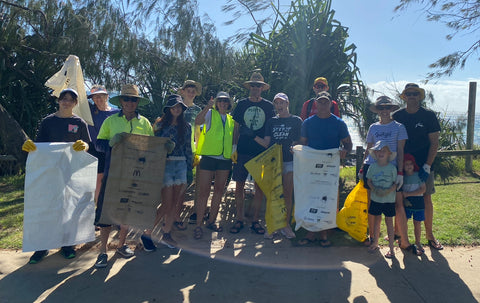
x: 410, y: 157
x: 256, y: 78
x: 191, y: 83
x: 66, y: 90
x: 323, y: 95
x: 129, y: 90
x: 97, y: 89
x: 383, y: 101
x: 379, y: 146
x: 322, y: 80
x: 281, y: 96
x: 413, y: 86
x: 173, y: 100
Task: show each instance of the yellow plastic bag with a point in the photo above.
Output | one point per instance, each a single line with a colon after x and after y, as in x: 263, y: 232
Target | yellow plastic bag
x: 353, y: 217
x: 266, y: 170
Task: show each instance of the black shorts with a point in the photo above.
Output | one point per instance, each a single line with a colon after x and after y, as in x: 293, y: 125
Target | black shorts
x: 100, y: 156
x: 98, y: 209
x: 376, y: 209
x: 212, y: 164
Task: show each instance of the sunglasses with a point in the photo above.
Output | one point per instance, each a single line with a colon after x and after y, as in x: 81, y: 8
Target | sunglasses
x: 223, y: 100
x: 414, y: 94
x: 129, y: 99
x: 383, y: 107
x: 320, y: 86
x: 256, y: 84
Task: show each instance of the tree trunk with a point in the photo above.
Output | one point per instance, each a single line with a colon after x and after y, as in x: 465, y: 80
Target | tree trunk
x: 12, y: 137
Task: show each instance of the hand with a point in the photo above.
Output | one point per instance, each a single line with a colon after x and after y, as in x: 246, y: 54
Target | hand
x: 211, y: 103
x: 424, y: 172
x: 234, y: 157
x: 169, y: 146
x: 196, y: 160
x: 117, y: 138
x: 29, y: 146
x: 360, y: 174
x: 80, y: 145
x: 399, y: 181
x: 247, y: 132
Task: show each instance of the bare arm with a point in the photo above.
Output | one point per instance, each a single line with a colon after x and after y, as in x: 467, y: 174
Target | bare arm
x: 200, y: 119
x: 432, y: 151
x: 265, y: 142
x: 400, y: 155
x: 347, y: 147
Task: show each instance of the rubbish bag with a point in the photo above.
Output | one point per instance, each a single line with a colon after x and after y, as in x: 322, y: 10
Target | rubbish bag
x: 353, y: 217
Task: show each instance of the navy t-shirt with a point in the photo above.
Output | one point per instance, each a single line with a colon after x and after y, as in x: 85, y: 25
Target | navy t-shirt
x: 56, y: 129
x: 284, y: 131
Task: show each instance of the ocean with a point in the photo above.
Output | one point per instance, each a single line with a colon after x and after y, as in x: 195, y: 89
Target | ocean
x: 357, y: 140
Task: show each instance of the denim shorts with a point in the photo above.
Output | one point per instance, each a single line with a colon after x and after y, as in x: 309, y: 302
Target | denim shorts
x: 175, y: 172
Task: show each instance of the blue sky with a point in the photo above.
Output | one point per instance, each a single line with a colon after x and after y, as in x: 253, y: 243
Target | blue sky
x: 393, y: 48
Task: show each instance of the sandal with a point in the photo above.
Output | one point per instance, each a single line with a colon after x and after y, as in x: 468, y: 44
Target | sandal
x: 197, y: 233
x: 257, y: 228
x: 368, y: 242
x: 237, y: 227
x: 179, y: 225
x: 412, y: 248
x: 214, y: 227
x: 435, y: 244
x: 390, y: 255
x: 325, y: 243
x: 420, y: 251
x: 305, y: 242
x: 373, y: 249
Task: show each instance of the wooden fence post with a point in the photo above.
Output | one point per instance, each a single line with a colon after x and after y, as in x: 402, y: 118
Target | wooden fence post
x: 359, y: 160
x: 470, y: 123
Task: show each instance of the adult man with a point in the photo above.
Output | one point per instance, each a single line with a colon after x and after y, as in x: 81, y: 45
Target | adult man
x: 128, y: 120
x: 309, y: 108
x: 250, y: 115
x: 423, y: 131
x: 324, y: 131
x: 100, y: 110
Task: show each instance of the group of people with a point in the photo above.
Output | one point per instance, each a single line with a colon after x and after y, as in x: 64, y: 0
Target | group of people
x: 211, y: 139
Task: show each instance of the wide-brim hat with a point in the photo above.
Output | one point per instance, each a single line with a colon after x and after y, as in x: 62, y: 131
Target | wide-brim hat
x: 256, y: 78
x: 378, y: 146
x: 96, y: 90
x: 412, y: 86
x: 191, y: 83
x: 383, y: 101
x: 172, y: 101
x: 129, y: 90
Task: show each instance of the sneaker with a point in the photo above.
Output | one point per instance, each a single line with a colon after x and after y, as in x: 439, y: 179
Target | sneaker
x: 148, y: 244
x: 168, y: 241
x: 125, y: 251
x: 287, y: 232
x: 38, y: 256
x: 101, y: 261
x: 192, y: 219
x: 68, y: 252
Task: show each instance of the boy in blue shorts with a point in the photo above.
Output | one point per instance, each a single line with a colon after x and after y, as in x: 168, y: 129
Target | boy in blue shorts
x: 381, y: 177
x: 412, y: 192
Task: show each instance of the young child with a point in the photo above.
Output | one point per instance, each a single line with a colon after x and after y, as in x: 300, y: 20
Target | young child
x: 381, y: 177
x: 412, y: 192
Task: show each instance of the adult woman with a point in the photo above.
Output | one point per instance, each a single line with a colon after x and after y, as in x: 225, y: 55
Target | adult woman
x: 62, y: 126
x: 173, y: 125
x: 128, y: 120
x: 215, y: 147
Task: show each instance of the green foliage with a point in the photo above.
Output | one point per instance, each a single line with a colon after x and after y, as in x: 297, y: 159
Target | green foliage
x: 306, y: 43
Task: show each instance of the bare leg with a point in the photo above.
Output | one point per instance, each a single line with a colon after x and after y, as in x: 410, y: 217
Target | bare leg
x: 390, y: 232
x: 288, y: 194
x: 203, y: 188
x: 376, y: 232
x: 122, y: 236
x: 401, y: 221
x: 240, y: 200
x: 257, y: 202
x: 428, y: 217
x: 221, y: 177
x: 104, y: 234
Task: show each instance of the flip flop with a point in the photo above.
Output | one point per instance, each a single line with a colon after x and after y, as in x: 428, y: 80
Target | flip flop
x: 325, y: 243
x: 412, y: 248
x: 390, y: 255
x: 435, y: 244
x: 179, y: 225
x: 420, y: 251
x: 372, y: 250
x: 305, y: 242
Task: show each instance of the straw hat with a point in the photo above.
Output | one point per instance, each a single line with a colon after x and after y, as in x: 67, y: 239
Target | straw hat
x: 129, y: 90
x: 415, y: 87
x: 256, y: 78
x: 191, y: 83
x: 383, y: 101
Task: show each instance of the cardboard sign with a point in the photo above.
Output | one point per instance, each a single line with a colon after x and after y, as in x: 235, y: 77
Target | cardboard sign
x: 135, y: 181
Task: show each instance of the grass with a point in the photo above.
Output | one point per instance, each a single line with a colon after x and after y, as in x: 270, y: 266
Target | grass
x: 456, y: 216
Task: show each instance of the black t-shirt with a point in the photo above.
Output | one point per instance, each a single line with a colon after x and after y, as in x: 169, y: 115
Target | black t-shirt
x: 55, y: 129
x: 284, y: 131
x: 418, y: 126
x: 255, y: 116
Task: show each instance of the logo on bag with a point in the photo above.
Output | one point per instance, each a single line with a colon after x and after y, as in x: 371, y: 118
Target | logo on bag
x: 313, y: 210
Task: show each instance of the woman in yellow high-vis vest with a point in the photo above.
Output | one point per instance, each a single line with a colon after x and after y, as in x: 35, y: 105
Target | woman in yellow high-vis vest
x: 215, y: 147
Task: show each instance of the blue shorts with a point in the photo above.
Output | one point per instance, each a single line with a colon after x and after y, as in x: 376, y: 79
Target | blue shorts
x: 418, y: 214
x: 240, y: 173
x: 175, y: 172
x: 376, y: 209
